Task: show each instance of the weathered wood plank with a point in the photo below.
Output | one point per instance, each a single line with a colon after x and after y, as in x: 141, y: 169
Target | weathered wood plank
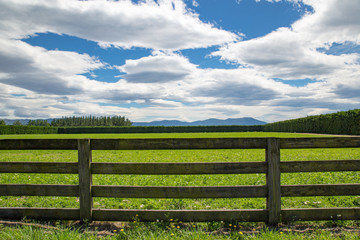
x: 39, y: 190
x: 326, y: 142
x: 177, y: 143
x: 39, y: 167
x: 40, y: 213
x: 179, y: 168
x: 179, y: 192
x: 85, y: 179
x: 38, y: 144
x: 320, y: 190
x: 318, y: 214
x: 273, y: 201
x: 258, y: 215
x: 320, y: 166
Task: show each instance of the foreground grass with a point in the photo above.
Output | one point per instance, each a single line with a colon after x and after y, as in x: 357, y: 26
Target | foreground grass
x: 185, y: 231
x: 156, y: 231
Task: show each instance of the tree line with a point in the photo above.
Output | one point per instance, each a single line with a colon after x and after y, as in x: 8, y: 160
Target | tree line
x: 345, y: 122
x: 91, y: 121
x: 84, y: 121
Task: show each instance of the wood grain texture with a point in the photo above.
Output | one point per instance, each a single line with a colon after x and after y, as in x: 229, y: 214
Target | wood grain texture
x: 326, y: 142
x: 38, y: 144
x: 40, y: 213
x: 318, y: 214
x: 85, y: 179
x: 39, y: 167
x: 258, y: 215
x: 39, y: 190
x: 320, y: 166
x: 177, y: 143
x: 273, y: 201
x: 179, y: 168
x: 179, y: 192
x: 320, y: 190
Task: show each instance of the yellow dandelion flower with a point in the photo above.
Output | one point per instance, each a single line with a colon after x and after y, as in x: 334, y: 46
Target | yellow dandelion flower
x: 241, y: 233
x: 281, y: 232
x: 172, y: 234
x: 178, y: 227
x: 122, y: 230
x: 193, y: 225
x: 171, y: 220
x: 254, y: 229
x: 230, y: 225
x: 115, y: 230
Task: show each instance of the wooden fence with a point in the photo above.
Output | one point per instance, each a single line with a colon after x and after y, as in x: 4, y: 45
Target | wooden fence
x: 272, y: 191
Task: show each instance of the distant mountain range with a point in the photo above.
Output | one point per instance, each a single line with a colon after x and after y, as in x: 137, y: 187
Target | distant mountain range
x: 208, y: 122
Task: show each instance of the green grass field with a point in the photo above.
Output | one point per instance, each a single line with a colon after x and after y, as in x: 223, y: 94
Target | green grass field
x: 198, y: 231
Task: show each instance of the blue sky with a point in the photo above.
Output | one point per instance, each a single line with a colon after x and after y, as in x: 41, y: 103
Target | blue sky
x: 186, y: 60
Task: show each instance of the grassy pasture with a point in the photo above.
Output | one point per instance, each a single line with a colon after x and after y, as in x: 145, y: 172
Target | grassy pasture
x: 200, y: 231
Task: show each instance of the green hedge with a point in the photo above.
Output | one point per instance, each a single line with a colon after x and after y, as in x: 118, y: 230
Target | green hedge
x: 12, y: 129
x: 346, y: 122
x: 161, y: 129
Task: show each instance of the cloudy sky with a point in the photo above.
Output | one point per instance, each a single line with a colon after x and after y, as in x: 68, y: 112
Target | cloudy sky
x: 186, y: 60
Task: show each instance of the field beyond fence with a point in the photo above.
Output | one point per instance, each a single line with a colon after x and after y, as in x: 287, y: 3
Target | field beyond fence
x: 272, y: 191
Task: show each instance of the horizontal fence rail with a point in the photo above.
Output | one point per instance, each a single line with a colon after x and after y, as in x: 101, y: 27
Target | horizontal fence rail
x: 180, y: 192
x: 178, y: 143
x: 179, y: 168
x: 272, y: 191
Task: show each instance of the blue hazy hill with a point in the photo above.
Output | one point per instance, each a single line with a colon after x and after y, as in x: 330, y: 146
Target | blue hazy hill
x: 208, y: 122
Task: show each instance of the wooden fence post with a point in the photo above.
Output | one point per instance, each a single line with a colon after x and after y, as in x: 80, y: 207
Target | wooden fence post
x: 273, y: 201
x: 85, y: 180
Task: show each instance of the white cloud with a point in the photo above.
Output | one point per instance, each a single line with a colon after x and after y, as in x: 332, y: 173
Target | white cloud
x: 195, y: 3
x: 291, y: 53
x: 285, y: 54
x: 332, y: 21
x: 159, y: 67
x: 237, y: 86
x: 162, y: 25
x: 42, y: 71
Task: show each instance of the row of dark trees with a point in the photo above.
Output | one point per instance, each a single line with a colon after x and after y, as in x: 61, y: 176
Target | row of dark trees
x: 85, y: 121
x: 91, y: 121
x: 37, y: 123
